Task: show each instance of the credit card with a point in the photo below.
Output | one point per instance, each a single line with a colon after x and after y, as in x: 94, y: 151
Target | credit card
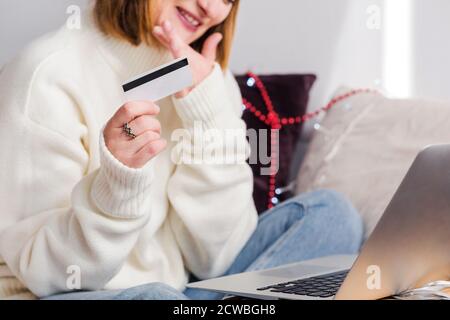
x: 160, y: 82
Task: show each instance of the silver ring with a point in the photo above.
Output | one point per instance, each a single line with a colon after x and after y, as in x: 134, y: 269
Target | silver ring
x: 128, y: 131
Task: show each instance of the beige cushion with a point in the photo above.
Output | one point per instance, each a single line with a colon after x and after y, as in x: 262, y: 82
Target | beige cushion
x: 365, y: 146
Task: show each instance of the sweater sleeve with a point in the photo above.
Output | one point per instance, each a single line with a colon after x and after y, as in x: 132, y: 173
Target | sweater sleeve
x: 55, y: 218
x: 213, y: 213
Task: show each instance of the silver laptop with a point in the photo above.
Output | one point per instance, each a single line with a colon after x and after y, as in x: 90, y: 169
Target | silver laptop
x: 409, y: 247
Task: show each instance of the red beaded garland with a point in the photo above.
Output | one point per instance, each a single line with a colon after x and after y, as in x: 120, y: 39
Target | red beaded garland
x: 273, y: 120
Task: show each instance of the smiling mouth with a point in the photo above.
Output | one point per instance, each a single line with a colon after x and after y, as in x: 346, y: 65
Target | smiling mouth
x: 191, y: 22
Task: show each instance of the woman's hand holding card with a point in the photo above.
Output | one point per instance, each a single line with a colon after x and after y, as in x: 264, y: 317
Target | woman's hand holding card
x: 201, y: 64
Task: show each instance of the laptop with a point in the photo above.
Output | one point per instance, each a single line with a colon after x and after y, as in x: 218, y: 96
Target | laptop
x: 408, y: 248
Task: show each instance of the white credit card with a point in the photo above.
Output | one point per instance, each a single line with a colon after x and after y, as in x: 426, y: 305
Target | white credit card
x: 159, y: 83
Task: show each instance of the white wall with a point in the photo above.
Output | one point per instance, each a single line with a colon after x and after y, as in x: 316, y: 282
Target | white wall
x: 326, y: 37
x: 24, y: 20
x: 432, y: 48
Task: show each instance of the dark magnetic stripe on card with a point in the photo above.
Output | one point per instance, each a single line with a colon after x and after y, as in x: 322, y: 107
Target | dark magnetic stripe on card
x: 155, y: 75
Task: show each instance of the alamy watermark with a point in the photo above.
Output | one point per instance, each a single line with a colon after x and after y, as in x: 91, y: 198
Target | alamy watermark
x: 226, y: 146
x: 73, y: 22
x: 373, y: 21
x: 73, y: 281
x: 374, y: 277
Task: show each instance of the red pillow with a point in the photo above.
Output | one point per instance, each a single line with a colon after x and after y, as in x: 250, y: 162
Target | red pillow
x: 289, y: 95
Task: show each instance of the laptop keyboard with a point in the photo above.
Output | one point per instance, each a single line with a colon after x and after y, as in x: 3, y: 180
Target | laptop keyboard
x: 323, y: 286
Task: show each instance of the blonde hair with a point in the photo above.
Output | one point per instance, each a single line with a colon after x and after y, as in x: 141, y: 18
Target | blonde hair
x: 131, y: 20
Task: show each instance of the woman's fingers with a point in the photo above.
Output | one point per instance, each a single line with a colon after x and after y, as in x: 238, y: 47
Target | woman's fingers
x: 139, y: 116
x: 158, y: 32
x: 168, y: 38
x: 147, y: 129
x: 149, y: 151
x: 209, y: 50
x: 201, y: 63
x: 143, y: 139
x: 131, y: 110
x: 144, y: 123
x: 176, y: 44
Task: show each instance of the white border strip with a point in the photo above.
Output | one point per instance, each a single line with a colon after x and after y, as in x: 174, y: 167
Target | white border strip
x: 398, y: 48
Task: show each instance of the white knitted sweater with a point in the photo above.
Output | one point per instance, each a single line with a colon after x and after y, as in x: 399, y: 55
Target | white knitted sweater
x: 67, y: 205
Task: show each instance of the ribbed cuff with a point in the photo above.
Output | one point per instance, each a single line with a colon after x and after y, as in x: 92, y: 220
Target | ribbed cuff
x: 121, y: 191
x: 205, y: 101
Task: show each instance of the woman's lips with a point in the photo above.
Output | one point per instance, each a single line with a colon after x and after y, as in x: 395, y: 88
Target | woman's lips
x: 188, y: 20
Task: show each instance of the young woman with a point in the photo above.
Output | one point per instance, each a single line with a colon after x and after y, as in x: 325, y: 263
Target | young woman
x: 92, y: 211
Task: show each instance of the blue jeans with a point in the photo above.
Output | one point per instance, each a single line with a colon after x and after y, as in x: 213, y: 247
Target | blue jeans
x: 308, y: 226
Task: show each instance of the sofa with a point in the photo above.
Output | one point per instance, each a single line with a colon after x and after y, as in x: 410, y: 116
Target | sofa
x: 364, y: 145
